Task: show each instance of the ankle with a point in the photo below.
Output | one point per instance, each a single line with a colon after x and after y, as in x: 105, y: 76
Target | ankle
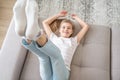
x: 42, y: 40
x: 28, y: 41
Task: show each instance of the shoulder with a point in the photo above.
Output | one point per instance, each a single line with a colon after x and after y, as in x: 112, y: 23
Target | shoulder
x: 74, y: 40
x: 53, y: 36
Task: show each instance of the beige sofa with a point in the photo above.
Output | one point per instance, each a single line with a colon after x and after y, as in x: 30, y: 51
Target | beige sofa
x: 96, y: 58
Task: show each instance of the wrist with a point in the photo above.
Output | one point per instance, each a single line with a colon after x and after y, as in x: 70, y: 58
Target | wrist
x: 58, y: 15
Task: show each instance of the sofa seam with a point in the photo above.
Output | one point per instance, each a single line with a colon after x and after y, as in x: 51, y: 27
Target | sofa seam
x: 23, y: 65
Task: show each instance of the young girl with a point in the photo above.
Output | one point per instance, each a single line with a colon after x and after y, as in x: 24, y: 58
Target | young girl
x: 56, y: 54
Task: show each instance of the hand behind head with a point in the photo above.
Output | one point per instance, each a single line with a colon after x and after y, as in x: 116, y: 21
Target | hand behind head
x: 63, y: 13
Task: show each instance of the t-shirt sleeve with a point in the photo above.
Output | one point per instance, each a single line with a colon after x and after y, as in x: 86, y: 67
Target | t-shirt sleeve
x: 53, y: 37
x: 74, y: 40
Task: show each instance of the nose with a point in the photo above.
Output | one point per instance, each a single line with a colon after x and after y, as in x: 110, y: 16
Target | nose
x: 66, y: 29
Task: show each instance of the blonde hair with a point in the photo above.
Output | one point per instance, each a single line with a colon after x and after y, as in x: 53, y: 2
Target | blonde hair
x: 55, y: 25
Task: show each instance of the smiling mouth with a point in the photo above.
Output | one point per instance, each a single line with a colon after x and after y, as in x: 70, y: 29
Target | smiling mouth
x: 66, y: 32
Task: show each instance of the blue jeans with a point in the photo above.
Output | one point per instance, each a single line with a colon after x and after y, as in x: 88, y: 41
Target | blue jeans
x: 52, y: 66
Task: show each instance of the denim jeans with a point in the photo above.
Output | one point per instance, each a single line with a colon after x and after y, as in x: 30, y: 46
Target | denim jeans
x: 52, y: 66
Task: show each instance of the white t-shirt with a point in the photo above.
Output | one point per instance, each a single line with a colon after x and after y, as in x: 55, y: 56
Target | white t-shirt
x: 67, y: 47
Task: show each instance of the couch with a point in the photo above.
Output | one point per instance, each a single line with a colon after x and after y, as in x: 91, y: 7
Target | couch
x: 96, y: 58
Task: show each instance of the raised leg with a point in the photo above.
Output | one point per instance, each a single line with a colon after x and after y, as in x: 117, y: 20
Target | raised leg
x: 45, y: 63
x: 60, y: 72
x: 20, y: 17
x: 33, y: 28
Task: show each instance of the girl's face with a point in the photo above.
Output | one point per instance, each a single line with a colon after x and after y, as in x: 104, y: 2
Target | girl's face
x: 66, y: 30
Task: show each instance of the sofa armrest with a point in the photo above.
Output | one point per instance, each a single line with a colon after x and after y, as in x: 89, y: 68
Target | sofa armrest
x: 12, y: 55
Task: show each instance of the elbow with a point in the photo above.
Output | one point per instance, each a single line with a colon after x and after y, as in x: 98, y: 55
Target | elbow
x: 45, y: 22
x: 86, y: 27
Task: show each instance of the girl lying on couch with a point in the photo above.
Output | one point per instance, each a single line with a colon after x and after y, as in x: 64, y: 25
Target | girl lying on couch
x: 54, y: 52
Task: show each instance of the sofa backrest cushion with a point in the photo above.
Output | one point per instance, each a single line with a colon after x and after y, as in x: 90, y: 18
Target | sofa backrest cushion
x: 115, y: 53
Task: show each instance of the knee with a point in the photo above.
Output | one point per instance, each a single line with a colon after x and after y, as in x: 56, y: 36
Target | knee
x: 57, y: 55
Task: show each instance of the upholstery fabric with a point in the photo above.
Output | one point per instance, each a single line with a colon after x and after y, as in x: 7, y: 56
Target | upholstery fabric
x: 115, y: 53
x: 31, y: 68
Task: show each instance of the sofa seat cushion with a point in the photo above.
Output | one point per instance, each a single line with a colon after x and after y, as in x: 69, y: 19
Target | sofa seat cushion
x: 31, y: 68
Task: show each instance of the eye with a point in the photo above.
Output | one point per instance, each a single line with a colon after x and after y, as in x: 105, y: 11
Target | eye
x: 68, y: 28
x: 63, y: 27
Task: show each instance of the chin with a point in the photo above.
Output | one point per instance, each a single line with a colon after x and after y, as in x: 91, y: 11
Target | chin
x: 66, y: 36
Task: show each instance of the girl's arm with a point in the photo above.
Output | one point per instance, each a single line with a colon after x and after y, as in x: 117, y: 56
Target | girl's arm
x: 47, y: 22
x: 84, y: 29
